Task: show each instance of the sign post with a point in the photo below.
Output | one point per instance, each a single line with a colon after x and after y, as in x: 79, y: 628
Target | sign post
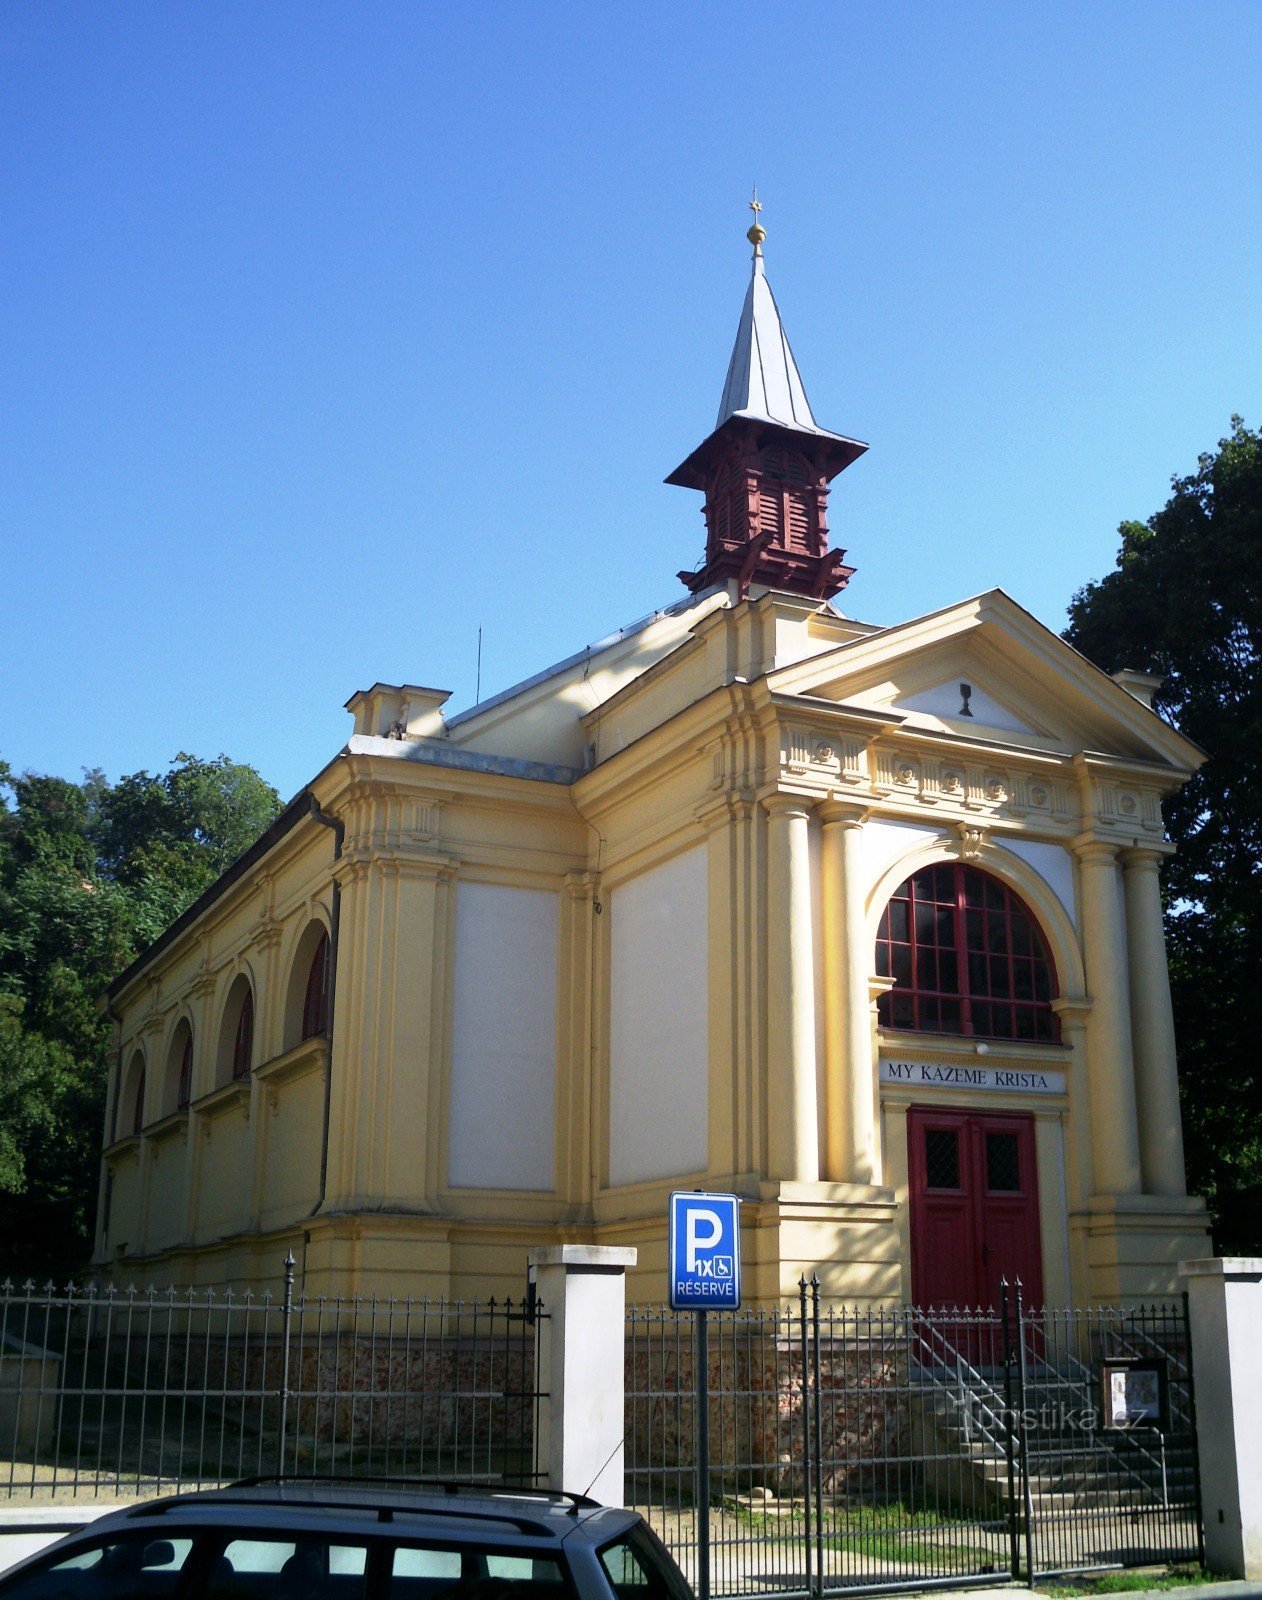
x: 705, y: 1275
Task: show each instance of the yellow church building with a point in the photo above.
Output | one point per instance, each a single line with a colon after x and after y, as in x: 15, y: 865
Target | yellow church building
x: 860, y: 923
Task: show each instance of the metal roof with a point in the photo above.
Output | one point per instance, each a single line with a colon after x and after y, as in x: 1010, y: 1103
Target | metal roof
x: 763, y: 381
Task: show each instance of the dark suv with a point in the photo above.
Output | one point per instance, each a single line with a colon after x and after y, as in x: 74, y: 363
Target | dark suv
x: 285, y: 1539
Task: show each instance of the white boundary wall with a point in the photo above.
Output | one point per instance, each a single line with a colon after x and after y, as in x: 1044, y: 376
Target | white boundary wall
x: 1225, y: 1305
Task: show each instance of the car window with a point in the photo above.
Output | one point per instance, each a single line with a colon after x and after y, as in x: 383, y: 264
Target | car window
x: 639, y: 1570
x: 288, y: 1569
x: 423, y: 1572
x: 132, y: 1566
x: 414, y: 1561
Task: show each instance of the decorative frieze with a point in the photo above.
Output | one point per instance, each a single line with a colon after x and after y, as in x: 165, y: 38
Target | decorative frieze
x: 1128, y: 807
x: 824, y: 754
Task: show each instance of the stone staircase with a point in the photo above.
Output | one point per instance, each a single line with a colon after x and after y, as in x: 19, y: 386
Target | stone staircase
x: 1074, y: 1464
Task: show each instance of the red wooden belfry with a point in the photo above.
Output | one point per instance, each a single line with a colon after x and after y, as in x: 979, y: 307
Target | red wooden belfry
x: 766, y: 468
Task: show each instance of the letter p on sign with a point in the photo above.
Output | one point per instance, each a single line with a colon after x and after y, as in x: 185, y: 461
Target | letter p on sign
x: 703, y: 1230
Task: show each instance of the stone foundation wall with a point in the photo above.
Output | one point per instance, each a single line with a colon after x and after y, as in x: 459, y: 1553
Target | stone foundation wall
x: 756, y: 1415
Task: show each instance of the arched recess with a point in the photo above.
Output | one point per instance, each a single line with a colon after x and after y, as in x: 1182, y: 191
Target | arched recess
x: 234, y: 1055
x: 177, y: 1079
x: 307, y: 990
x: 1039, y: 896
x: 131, y: 1097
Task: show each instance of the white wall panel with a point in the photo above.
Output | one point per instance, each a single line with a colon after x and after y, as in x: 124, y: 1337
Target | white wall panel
x: 1053, y: 864
x: 885, y: 842
x: 503, y: 1041
x: 658, y: 1022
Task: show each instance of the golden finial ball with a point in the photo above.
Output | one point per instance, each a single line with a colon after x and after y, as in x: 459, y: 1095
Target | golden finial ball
x: 756, y: 235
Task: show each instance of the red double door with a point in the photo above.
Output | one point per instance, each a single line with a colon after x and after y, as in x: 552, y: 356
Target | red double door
x: 974, y: 1207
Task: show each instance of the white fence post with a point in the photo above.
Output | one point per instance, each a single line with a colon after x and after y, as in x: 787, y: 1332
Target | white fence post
x: 1225, y: 1305
x: 582, y: 1337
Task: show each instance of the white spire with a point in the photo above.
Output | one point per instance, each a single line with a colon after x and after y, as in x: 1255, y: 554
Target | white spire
x: 762, y: 377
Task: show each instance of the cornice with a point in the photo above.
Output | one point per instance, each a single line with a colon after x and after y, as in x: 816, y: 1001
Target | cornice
x: 166, y: 1127
x: 227, y: 1097
x: 310, y: 1056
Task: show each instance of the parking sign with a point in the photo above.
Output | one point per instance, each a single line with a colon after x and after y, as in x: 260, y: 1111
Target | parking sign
x: 705, y: 1251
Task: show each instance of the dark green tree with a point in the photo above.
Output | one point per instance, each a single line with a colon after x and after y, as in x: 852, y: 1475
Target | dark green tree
x: 90, y: 874
x: 1185, y: 601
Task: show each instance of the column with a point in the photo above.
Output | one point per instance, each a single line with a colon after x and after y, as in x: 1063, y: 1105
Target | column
x: 1152, y: 1022
x: 850, y: 1127
x: 793, y: 1118
x: 1110, y: 1065
x: 582, y: 1334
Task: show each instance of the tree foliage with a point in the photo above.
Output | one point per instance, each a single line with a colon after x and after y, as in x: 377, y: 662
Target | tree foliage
x: 1185, y: 601
x: 90, y: 873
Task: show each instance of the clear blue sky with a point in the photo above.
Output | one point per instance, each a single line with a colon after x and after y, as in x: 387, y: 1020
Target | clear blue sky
x: 330, y: 331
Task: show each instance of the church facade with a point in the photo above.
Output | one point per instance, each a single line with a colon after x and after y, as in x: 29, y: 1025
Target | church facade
x: 861, y: 923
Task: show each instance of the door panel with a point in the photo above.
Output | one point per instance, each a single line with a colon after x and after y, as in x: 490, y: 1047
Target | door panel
x: 969, y: 1233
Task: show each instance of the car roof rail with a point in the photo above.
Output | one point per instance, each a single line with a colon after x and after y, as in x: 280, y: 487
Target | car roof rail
x: 451, y: 1486
x: 447, y: 1486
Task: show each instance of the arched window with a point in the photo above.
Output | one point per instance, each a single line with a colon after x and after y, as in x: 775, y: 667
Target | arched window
x: 184, y: 1089
x: 315, y: 1004
x: 129, y: 1106
x: 177, y: 1080
x: 243, y: 1038
x: 966, y: 956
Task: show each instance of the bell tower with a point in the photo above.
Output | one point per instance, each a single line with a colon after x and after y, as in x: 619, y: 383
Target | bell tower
x: 766, y: 468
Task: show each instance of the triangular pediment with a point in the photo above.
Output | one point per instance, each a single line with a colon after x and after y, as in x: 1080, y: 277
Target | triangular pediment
x: 987, y: 670
x: 965, y: 690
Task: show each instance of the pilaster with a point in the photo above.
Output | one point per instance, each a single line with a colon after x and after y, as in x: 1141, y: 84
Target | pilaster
x: 200, y: 997
x: 850, y: 1143
x: 792, y: 1109
x: 576, y: 1041
x: 734, y: 1144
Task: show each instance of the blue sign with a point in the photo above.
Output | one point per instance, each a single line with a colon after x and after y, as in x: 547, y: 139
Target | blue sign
x: 705, y: 1251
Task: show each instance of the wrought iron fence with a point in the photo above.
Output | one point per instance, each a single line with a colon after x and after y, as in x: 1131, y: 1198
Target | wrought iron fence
x: 118, y: 1393
x: 894, y: 1448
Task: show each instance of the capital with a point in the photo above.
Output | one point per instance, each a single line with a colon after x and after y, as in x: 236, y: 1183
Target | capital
x: 786, y: 805
x: 1073, y: 1009
x: 1091, y: 849
x: 843, y: 814
x: 733, y: 805
x: 1146, y: 857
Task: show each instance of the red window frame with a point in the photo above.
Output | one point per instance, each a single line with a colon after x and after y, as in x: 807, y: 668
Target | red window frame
x: 968, y: 957
x: 315, y: 1002
x: 243, y: 1039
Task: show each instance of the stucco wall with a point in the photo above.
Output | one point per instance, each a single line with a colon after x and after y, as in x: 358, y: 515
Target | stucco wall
x: 503, y: 1051
x: 658, y: 1022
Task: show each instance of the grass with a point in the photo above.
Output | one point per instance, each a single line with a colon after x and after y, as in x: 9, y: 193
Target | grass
x: 889, y: 1532
x: 1131, y: 1582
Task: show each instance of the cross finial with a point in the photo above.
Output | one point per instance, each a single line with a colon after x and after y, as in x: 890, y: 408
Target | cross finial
x: 757, y: 233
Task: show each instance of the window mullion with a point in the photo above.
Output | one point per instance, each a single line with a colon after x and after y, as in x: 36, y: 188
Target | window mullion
x: 961, y: 952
